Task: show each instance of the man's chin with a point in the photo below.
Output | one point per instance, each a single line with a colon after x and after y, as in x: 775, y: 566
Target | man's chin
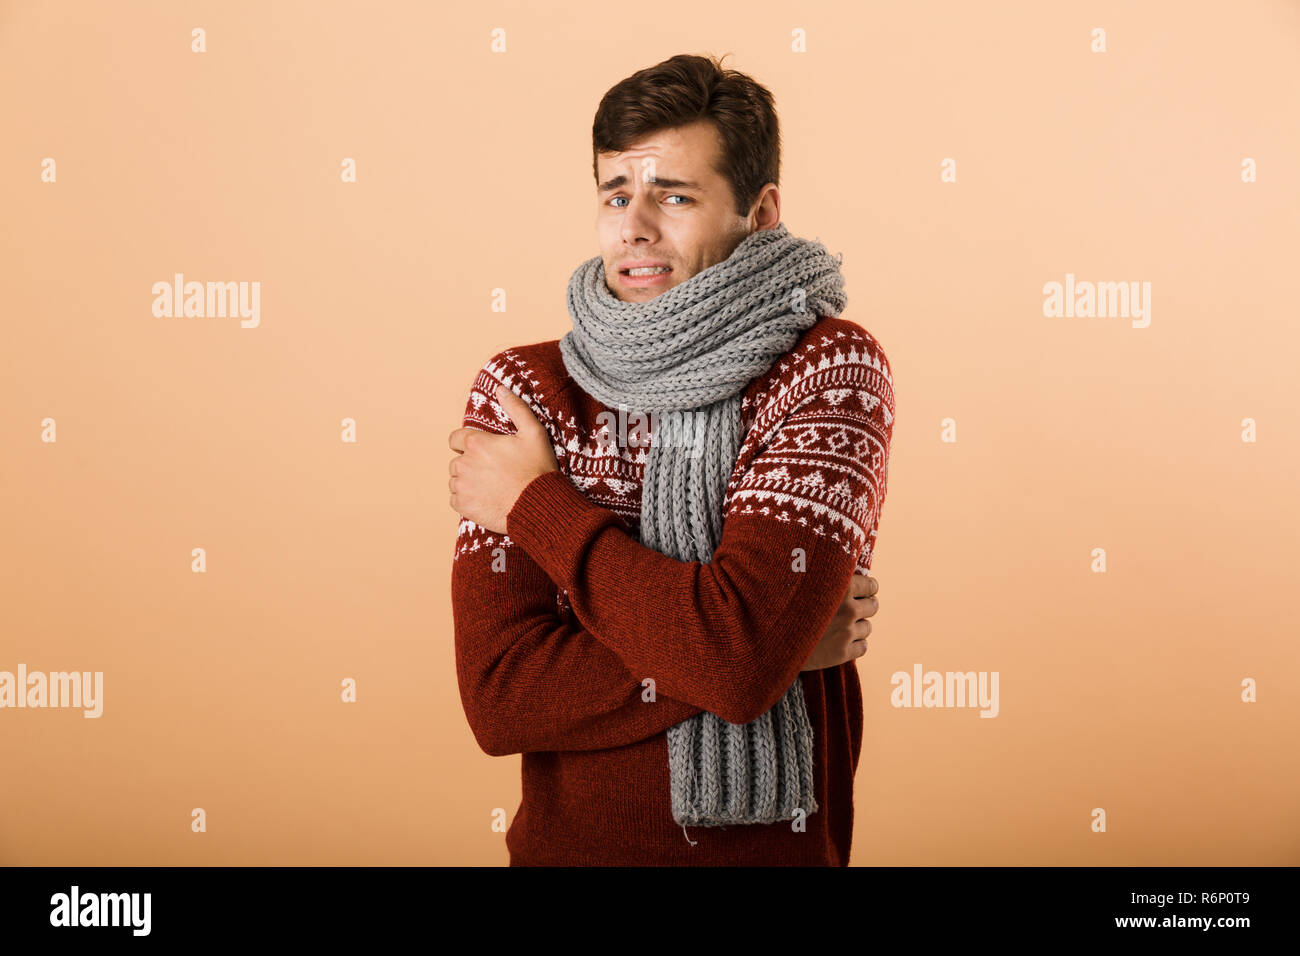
x: 633, y: 294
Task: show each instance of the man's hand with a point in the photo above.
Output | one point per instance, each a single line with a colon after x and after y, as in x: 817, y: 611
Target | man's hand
x: 846, y: 635
x: 491, y: 471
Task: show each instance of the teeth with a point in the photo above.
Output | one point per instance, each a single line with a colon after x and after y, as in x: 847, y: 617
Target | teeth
x: 647, y: 270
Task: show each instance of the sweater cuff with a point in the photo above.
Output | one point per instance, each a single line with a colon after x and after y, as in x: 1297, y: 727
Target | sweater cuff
x: 555, y: 524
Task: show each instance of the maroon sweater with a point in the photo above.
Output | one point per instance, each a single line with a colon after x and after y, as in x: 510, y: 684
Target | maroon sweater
x: 560, y: 621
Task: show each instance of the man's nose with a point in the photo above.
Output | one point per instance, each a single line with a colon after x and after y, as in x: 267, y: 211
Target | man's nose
x: 638, y: 219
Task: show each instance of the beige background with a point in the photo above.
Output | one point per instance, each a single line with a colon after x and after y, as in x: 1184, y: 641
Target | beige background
x: 329, y: 560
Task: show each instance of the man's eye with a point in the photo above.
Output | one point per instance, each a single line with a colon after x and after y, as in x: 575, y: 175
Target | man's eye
x: 674, y: 196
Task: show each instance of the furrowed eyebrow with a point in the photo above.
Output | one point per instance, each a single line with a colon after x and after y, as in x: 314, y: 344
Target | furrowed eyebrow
x: 659, y: 182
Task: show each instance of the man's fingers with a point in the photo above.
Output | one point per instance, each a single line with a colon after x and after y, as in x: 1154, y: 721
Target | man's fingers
x: 861, y: 585
x: 462, y: 438
x: 520, y: 413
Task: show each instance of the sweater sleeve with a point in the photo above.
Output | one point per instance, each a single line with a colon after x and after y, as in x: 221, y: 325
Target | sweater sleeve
x: 730, y: 636
x: 531, y: 678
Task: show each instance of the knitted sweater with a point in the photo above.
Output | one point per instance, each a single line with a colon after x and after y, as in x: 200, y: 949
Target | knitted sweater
x: 578, y: 647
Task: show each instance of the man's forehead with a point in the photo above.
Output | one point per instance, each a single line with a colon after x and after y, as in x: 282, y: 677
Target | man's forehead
x: 649, y: 174
x: 683, y: 154
x: 674, y: 174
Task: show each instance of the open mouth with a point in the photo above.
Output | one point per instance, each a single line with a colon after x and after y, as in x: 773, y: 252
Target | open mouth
x: 644, y: 276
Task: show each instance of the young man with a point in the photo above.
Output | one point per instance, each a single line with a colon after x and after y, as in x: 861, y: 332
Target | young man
x: 660, y: 577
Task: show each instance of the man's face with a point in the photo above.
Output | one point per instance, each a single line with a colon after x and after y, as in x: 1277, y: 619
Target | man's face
x: 663, y: 203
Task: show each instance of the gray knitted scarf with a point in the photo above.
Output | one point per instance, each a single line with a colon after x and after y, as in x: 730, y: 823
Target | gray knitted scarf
x: 684, y: 357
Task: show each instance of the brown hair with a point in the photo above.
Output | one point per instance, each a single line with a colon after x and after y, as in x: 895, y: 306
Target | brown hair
x: 686, y: 88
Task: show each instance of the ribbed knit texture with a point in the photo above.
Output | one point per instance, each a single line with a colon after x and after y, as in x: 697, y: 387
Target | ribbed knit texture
x: 561, y: 624
x: 685, y: 356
